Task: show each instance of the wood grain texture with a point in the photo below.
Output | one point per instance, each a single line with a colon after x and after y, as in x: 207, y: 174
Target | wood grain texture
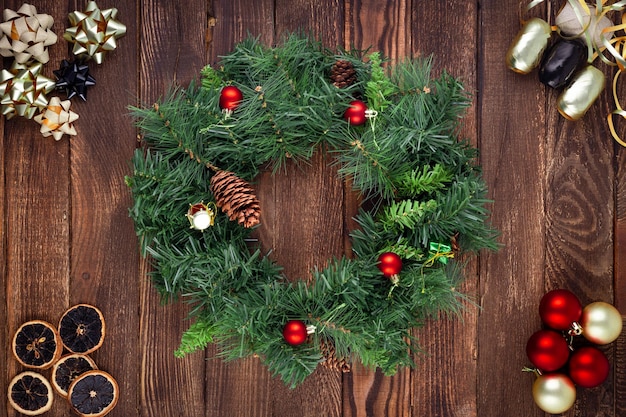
x: 559, y: 191
x: 37, y: 256
x: 513, y: 155
x: 171, y: 51
x: 450, y: 344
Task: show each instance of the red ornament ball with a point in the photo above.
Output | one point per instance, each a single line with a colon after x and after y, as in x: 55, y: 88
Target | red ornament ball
x: 389, y: 264
x: 295, y: 332
x: 588, y: 367
x: 230, y: 97
x: 547, y: 350
x: 355, y: 114
x: 559, y: 309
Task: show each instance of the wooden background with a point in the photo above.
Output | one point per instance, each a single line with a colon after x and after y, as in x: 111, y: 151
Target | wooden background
x: 559, y: 191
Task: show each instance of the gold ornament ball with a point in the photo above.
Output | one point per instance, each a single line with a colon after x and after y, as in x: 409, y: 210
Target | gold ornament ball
x: 554, y: 393
x: 601, y: 323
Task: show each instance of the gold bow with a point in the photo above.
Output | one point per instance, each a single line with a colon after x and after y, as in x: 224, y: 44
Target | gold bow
x: 94, y: 32
x: 26, y: 35
x: 23, y: 90
x: 57, y: 119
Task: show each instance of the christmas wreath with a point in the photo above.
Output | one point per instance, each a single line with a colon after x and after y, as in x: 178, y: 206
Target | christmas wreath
x: 394, y: 133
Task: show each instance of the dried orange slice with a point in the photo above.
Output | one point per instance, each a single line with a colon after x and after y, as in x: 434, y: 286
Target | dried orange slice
x: 93, y: 394
x: 82, y: 328
x: 36, y: 344
x: 30, y: 393
x: 68, y: 368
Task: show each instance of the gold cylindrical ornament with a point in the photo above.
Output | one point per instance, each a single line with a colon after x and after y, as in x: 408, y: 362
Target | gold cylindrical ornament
x: 578, y: 97
x: 601, y: 323
x: 527, y: 48
x: 554, y: 393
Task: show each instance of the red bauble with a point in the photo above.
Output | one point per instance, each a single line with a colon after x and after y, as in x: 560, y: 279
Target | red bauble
x: 389, y: 264
x: 295, y: 332
x: 230, y: 97
x: 588, y: 367
x: 355, y: 114
x: 547, y: 350
x: 559, y: 309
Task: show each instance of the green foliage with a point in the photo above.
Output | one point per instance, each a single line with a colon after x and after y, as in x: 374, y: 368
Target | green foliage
x: 414, y: 171
x: 379, y: 87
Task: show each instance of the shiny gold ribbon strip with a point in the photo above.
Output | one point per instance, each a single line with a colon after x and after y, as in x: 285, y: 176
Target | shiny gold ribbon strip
x: 57, y: 119
x: 94, y: 32
x: 26, y: 35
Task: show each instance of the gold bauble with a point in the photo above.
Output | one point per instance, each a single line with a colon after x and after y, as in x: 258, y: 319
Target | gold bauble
x: 527, y: 48
x: 601, y: 323
x: 554, y: 393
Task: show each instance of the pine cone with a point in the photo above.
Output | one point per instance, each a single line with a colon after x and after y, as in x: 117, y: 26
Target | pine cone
x: 327, y: 349
x: 236, y: 198
x: 343, y: 74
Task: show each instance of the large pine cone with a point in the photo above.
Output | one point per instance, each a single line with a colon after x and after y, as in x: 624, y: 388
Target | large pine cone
x: 343, y: 73
x: 236, y: 198
x: 327, y: 349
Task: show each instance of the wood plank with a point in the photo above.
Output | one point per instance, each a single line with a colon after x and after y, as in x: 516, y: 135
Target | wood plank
x: 37, y: 213
x: 4, y: 293
x: 619, y: 273
x: 579, y: 222
x: 171, y: 50
x: 450, y: 344
x: 511, y: 113
x: 309, y: 213
x: 383, y: 27
x: 104, y: 254
x: 241, y: 388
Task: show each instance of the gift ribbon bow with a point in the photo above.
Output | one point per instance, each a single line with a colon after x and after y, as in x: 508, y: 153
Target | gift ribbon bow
x: 57, y: 119
x: 26, y: 34
x: 94, y: 32
x: 23, y: 90
x: 438, y: 252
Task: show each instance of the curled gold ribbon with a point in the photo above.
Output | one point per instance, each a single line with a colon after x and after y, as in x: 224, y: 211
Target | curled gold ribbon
x: 94, y: 32
x: 26, y: 35
x: 57, y: 119
x: 23, y: 90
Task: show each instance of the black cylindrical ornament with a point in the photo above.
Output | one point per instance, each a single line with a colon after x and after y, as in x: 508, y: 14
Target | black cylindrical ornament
x: 585, y: 88
x: 561, y: 61
x: 527, y: 48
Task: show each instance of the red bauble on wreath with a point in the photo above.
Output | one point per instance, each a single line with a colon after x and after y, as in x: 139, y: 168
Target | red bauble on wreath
x: 588, y: 367
x: 230, y: 97
x: 295, y: 332
x: 547, y: 350
x: 390, y: 264
x: 559, y: 309
x: 356, y: 113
